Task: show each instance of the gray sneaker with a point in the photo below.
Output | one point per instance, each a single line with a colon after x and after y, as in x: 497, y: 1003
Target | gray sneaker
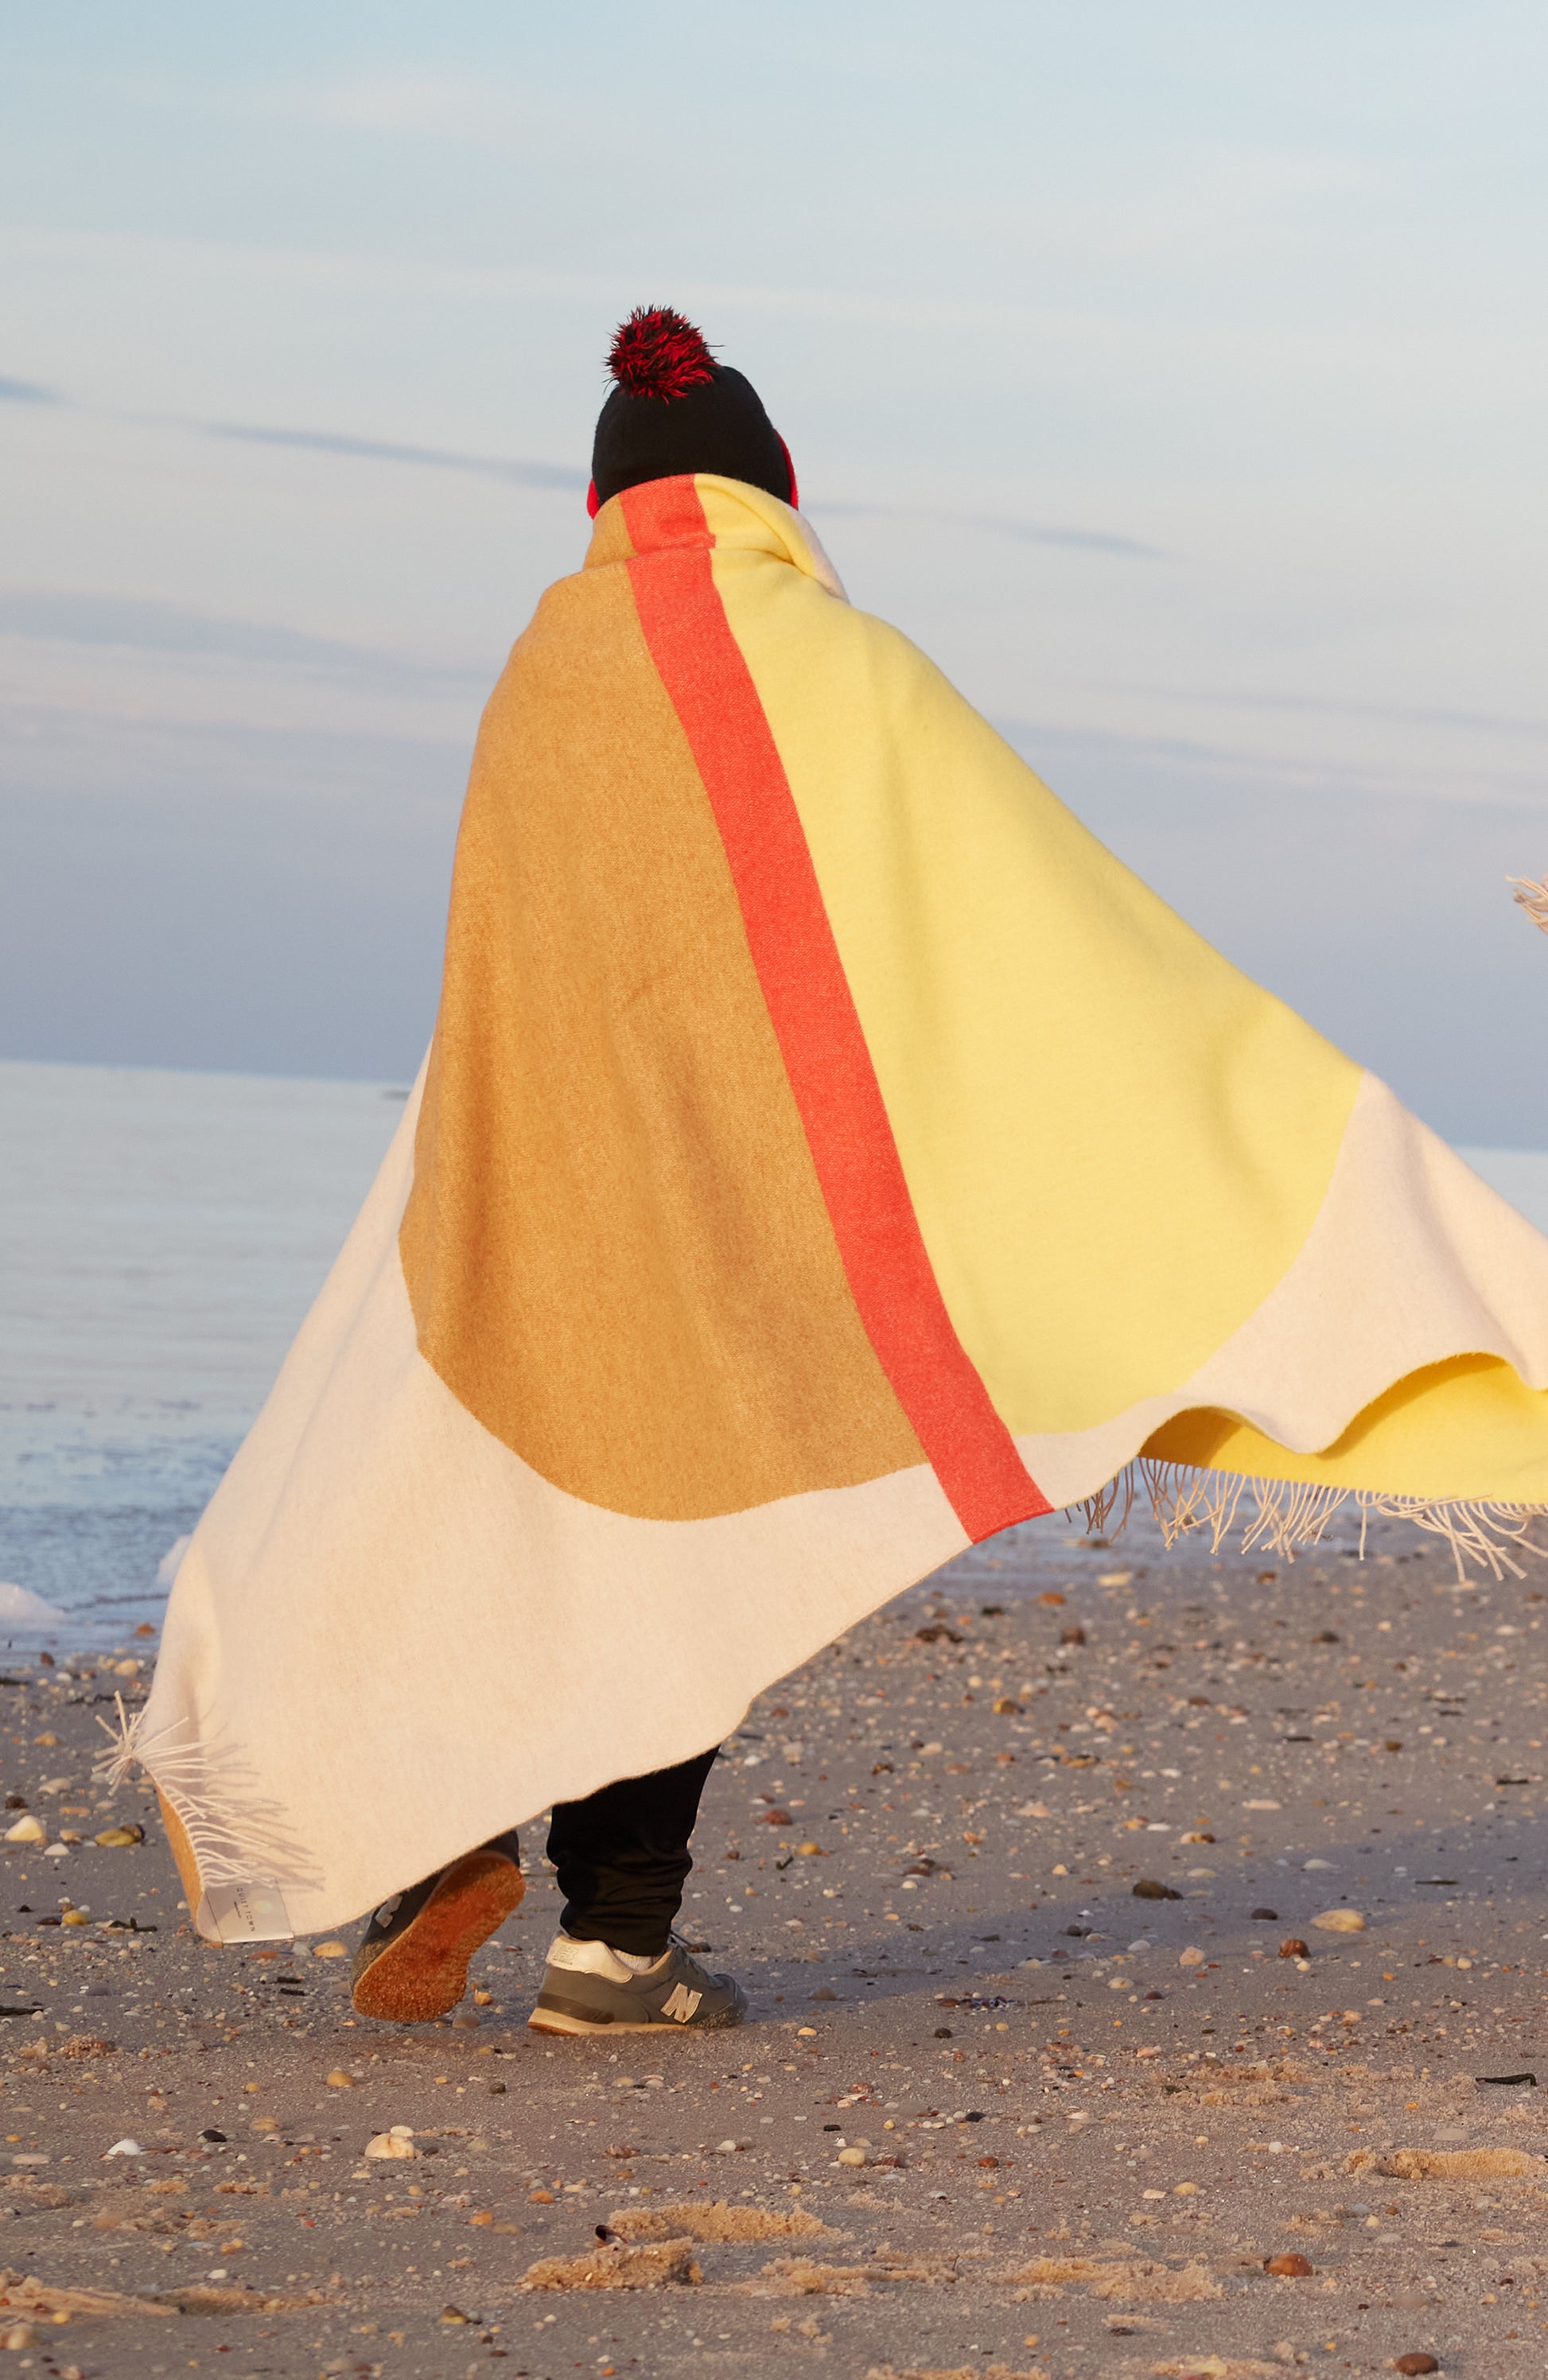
x: 588, y: 1988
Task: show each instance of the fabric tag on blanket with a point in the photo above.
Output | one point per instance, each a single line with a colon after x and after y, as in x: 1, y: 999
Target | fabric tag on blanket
x: 243, y: 1912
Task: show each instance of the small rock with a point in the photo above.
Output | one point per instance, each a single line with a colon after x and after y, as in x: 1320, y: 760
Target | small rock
x: 1294, y: 1948
x: 1415, y: 2360
x: 340, y: 2081
x: 1340, y: 1921
x: 211, y: 2132
x: 1008, y: 1707
x: 120, y: 1839
x: 1191, y: 1957
x: 726, y: 2148
x: 851, y: 2157
x: 399, y: 2143
x: 465, y: 2022
x: 27, y: 1830
x: 21, y: 2334
x: 484, y: 1999
x: 125, y: 2147
x: 1073, y: 1634
x: 778, y: 1818
x: 270, y: 2124
x: 1289, y: 2267
x: 1264, y: 1916
x: 330, y: 1951
x: 1150, y: 1888
x: 809, y: 1850
x: 824, y: 1994
x: 453, y: 2314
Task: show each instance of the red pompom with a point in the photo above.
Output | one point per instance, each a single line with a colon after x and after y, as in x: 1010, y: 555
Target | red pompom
x: 658, y: 353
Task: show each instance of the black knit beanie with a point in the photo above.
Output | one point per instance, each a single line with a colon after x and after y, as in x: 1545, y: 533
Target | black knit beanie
x: 674, y: 409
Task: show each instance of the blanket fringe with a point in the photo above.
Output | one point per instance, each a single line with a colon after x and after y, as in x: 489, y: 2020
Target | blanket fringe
x: 1280, y: 1515
x: 234, y: 1839
x: 1532, y: 897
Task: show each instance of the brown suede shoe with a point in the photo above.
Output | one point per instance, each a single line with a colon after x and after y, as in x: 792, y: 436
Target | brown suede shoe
x: 412, y: 1965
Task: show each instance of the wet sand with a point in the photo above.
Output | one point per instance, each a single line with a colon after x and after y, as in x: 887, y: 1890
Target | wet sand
x: 995, y: 2109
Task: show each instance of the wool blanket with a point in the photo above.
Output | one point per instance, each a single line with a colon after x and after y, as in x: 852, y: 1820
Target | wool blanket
x: 828, y: 1155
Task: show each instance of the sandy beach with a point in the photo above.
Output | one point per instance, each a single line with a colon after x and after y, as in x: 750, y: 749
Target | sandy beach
x: 1034, y: 2083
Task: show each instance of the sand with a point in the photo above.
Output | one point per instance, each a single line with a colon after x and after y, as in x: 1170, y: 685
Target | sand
x: 1079, y: 2151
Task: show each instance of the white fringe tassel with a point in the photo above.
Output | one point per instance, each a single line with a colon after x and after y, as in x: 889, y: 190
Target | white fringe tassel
x: 1531, y: 897
x: 234, y: 1838
x: 1280, y: 1515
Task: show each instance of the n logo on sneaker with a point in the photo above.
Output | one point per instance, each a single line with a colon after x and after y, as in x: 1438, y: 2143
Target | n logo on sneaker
x: 681, y: 2003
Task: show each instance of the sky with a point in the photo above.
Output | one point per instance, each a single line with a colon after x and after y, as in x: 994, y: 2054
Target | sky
x: 1175, y: 376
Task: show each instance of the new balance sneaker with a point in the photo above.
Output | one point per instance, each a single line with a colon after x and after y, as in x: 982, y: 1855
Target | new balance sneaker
x: 412, y: 1965
x: 589, y: 1988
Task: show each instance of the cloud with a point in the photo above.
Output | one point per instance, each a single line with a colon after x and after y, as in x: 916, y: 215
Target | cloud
x: 559, y: 476
x: 1312, y: 706
x: 380, y: 450
x: 1285, y: 777
x: 65, y: 616
x: 1089, y: 541
x: 27, y: 392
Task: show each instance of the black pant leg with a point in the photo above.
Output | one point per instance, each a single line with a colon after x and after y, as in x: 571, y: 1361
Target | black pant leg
x: 623, y: 1858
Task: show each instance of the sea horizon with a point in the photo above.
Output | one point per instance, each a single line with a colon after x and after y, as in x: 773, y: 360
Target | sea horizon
x: 165, y: 1230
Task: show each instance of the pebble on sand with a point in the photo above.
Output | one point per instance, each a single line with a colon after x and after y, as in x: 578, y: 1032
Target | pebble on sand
x: 398, y: 2142
x: 330, y: 1951
x: 1191, y: 1957
x: 1289, y: 2267
x: 339, y: 2081
x: 1415, y: 2360
x: 120, y: 1839
x: 125, y: 2147
x: 851, y: 2157
x: 1340, y: 1921
x: 26, y: 1830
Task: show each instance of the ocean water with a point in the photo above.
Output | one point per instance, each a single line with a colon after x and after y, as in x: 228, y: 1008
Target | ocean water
x: 161, y: 1237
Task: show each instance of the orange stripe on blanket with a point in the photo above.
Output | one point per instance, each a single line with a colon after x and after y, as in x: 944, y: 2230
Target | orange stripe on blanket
x: 813, y: 1014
